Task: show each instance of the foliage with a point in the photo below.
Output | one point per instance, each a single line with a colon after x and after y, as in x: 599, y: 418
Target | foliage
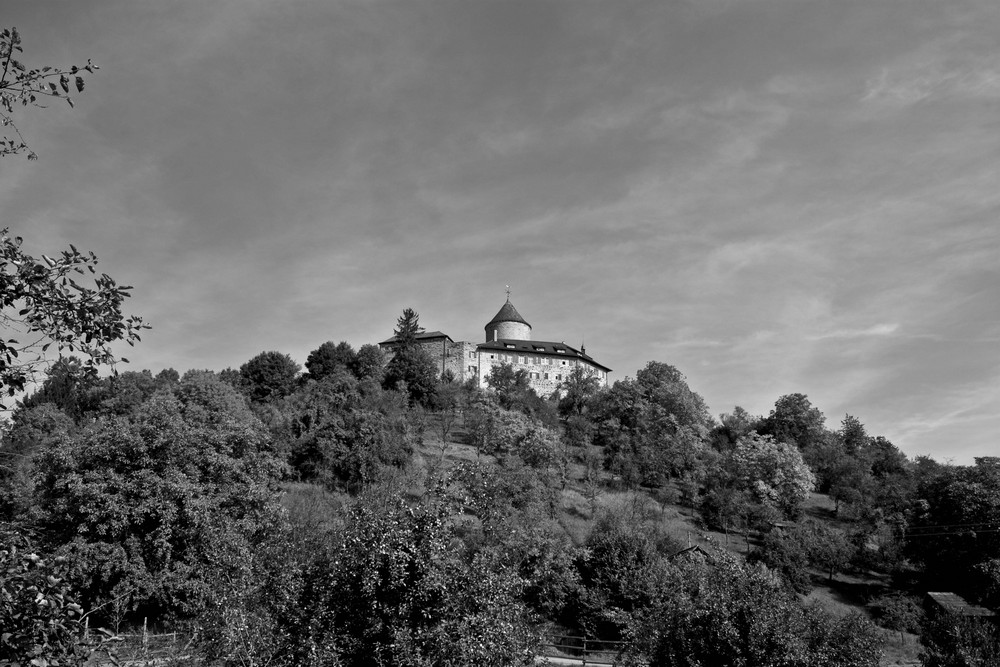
x: 44, y: 303
x: 40, y: 619
x: 344, y: 433
x: 137, y: 498
x: 252, y: 590
x: 23, y: 86
x: 509, y: 384
x: 576, y: 392
x: 395, y: 591
x: 726, y: 613
x: 651, y: 428
x: 411, y: 368
x: 956, y: 641
x: 794, y: 420
x: 370, y: 363
x: 621, y: 571
x: 810, y: 544
x: 957, y: 499
x: 772, y: 472
x: 899, y: 612
x: 328, y: 357
x: 669, y: 395
x: 269, y: 376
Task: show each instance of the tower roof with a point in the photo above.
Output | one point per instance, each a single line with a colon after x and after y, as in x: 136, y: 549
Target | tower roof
x: 508, y: 314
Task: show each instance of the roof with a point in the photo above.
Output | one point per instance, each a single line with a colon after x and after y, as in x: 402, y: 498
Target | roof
x: 507, y: 313
x: 690, y: 551
x: 956, y: 604
x: 540, y: 347
x: 425, y: 336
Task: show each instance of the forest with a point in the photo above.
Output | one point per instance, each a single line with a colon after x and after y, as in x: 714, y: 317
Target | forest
x: 361, y: 511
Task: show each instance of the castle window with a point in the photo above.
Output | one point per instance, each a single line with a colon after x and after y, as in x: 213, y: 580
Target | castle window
x: 472, y: 355
x: 493, y: 356
x: 563, y: 363
x: 472, y: 369
x: 509, y: 346
x: 520, y: 360
x: 546, y: 376
x: 559, y: 377
x: 545, y: 360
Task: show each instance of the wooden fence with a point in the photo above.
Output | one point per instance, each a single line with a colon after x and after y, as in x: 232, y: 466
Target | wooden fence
x: 586, y: 650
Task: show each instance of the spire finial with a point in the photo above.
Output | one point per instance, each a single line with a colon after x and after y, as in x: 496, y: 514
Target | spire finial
x: 508, y: 292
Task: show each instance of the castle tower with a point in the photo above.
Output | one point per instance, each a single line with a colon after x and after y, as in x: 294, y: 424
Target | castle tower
x: 508, y: 324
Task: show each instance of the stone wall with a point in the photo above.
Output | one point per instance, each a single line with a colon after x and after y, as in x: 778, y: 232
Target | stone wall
x: 462, y: 360
x: 508, y: 330
x: 545, y: 372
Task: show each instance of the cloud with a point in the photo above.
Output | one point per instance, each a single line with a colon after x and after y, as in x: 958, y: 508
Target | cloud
x: 942, y: 69
x: 875, y: 330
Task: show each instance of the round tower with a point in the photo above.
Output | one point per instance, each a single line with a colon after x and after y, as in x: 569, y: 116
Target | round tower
x: 509, y: 324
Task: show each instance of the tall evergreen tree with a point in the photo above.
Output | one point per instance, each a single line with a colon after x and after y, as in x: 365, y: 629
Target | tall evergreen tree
x: 411, y: 368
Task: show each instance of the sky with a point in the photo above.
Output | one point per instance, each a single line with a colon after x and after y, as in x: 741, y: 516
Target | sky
x: 774, y: 196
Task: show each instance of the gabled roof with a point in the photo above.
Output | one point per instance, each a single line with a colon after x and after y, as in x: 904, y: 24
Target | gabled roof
x: 956, y: 604
x: 507, y: 313
x: 422, y: 337
x: 540, y: 347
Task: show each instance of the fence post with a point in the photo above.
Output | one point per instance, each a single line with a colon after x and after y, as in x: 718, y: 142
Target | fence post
x: 145, y: 639
x: 584, y: 651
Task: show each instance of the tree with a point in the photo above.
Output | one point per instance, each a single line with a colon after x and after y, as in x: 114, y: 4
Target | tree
x: 341, y: 436
x: 653, y: 427
x: 853, y: 436
x: 269, y: 375
x: 726, y: 613
x: 370, y: 362
x: 396, y: 591
x: 328, y: 357
x: 136, y: 500
x: 576, y: 392
x: 44, y: 303
x: 950, y: 640
x: 21, y: 86
x: 773, y: 473
x: 793, y: 420
x: 965, y: 503
x: 411, y: 368
x: 668, y: 393
x: 898, y: 612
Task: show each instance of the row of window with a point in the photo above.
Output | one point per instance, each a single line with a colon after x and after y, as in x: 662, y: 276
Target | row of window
x: 528, y: 360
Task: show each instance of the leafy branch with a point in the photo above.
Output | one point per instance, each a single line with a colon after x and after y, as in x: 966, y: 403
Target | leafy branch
x: 22, y: 86
x: 44, y: 303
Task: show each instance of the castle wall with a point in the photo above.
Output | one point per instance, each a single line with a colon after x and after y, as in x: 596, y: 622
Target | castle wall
x: 545, y: 372
x: 462, y: 360
x: 509, y: 330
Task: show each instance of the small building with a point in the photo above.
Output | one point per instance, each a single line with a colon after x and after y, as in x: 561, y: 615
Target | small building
x: 956, y: 605
x: 508, y: 341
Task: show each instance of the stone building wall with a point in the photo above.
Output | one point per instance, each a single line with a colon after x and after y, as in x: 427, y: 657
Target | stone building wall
x: 545, y: 372
x: 509, y: 330
x: 462, y: 360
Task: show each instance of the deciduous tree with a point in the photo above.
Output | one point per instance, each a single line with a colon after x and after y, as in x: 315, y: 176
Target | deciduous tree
x: 269, y: 376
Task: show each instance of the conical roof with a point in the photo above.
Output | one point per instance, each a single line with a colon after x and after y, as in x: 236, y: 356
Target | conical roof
x: 508, y: 313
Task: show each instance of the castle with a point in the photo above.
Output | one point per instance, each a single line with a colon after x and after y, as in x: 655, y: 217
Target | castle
x: 508, y: 341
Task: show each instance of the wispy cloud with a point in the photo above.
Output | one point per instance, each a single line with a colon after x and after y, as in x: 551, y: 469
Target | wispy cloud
x: 875, y: 330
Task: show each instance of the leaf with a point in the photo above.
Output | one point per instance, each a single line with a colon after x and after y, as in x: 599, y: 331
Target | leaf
x: 79, y: 84
x: 64, y: 82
